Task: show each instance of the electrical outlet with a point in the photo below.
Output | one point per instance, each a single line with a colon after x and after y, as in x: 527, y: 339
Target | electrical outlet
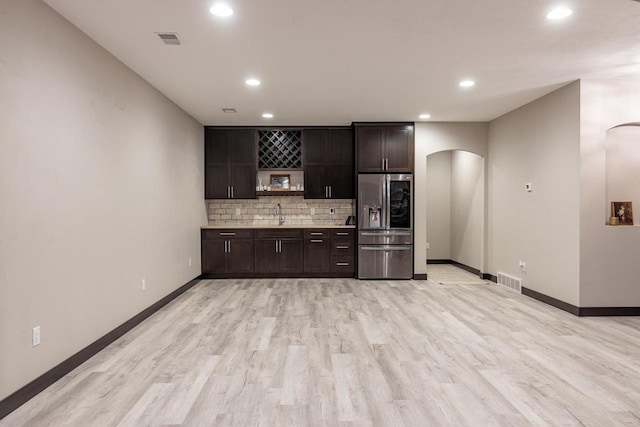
x: 428, y: 246
x: 35, y: 337
x: 332, y: 211
x: 237, y: 211
x: 144, y: 284
x: 189, y: 262
x: 313, y: 211
x: 523, y: 266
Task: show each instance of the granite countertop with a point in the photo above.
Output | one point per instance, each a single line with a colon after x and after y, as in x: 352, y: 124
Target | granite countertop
x: 214, y: 227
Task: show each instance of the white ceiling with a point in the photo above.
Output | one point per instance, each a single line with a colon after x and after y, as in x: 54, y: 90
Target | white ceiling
x: 338, y: 61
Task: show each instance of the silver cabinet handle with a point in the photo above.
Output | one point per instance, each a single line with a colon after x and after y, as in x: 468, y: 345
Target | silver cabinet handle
x: 227, y: 234
x: 225, y: 246
x: 342, y: 264
x: 229, y: 245
x: 341, y: 234
x: 382, y: 163
x: 280, y: 246
x: 316, y: 234
x: 342, y: 247
x: 330, y: 192
x: 276, y: 246
x: 232, y: 192
x: 316, y: 240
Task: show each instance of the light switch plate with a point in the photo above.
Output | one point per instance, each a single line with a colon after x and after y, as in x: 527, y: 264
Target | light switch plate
x: 36, y: 336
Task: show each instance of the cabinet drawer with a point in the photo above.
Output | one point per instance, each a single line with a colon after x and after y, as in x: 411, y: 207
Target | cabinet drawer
x: 343, y: 233
x: 342, y: 247
x: 342, y: 264
x: 280, y: 233
x: 227, y: 234
x: 316, y: 233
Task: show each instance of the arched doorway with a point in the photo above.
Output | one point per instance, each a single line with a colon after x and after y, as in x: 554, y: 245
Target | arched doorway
x: 455, y: 210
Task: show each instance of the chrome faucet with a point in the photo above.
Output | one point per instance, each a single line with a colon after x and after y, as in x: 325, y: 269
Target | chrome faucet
x: 279, y: 213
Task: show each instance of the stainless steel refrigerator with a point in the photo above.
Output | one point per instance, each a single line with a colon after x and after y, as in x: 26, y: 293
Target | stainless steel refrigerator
x: 385, y: 226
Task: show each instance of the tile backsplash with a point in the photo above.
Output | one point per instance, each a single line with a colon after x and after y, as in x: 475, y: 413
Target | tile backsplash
x: 262, y: 211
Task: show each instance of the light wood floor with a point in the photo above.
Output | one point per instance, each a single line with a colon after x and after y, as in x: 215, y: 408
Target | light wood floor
x: 292, y: 352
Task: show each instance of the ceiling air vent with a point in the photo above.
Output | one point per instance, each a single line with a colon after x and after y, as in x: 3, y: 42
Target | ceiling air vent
x: 169, y: 38
x: 229, y: 110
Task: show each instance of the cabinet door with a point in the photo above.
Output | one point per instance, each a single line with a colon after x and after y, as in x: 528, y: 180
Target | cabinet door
x: 214, y: 259
x: 290, y: 256
x: 216, y: 162
x: 341, y: 169
x: 315, y: 149
x: 315, y: 146
x: 266, y: 257
x: 315, y: 182
x: 243, y: 181
x: 370, y: 141
x: 398, y: 147
x: 341, y: 180
x: 317, y: 255
x: 242, y: 163
x: 240, y: 256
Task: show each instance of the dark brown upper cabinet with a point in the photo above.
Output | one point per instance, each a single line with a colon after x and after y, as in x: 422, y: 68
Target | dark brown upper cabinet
x: 385, y: 147
x: 328, y: 163
x: 230, y: 163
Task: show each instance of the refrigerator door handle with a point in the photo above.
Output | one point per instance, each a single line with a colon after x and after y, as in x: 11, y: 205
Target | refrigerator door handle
x: 386, y: 248
x: 384, y: 234
x: 387, y: 202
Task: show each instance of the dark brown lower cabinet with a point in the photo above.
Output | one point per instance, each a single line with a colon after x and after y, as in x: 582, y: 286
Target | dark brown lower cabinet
x: 278, y: 252
x: 227, y: 251
x: 317, y: 251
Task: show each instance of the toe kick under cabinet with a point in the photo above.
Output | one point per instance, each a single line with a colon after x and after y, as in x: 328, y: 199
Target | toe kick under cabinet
x: 278, y: 252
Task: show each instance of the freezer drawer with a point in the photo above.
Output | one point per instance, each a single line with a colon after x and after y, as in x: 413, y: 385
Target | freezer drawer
x: 385, y: 237
x: 385, y: 262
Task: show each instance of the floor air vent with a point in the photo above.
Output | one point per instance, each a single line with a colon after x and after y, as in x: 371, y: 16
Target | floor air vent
x: 510, y: 282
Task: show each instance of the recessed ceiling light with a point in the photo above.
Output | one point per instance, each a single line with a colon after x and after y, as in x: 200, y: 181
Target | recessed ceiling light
x: 425, y: 116
x: 559, y: 13
x: 467, y: 83
x: 221, y: 9
x: 267, y: 115
x: 252, y: 82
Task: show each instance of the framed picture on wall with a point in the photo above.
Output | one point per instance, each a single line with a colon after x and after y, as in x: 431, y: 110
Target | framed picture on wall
x: 623, y: 211
x: 280, y: 182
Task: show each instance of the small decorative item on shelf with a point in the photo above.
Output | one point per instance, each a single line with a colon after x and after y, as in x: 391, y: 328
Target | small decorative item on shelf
x: 280, y: 182
x: 623, y: 211
x: 613, y: 220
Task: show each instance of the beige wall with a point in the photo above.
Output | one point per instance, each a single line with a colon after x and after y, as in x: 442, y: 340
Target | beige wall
x: 622, y: 147
x: 467, y: 208
x: 101, y: 185
x: 431, y: 138
x: 438, y: 199
x: 609, y: 267
x: 537, y: 143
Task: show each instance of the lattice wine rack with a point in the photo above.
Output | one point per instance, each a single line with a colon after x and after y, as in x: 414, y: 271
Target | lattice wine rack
x: 280, y: 149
